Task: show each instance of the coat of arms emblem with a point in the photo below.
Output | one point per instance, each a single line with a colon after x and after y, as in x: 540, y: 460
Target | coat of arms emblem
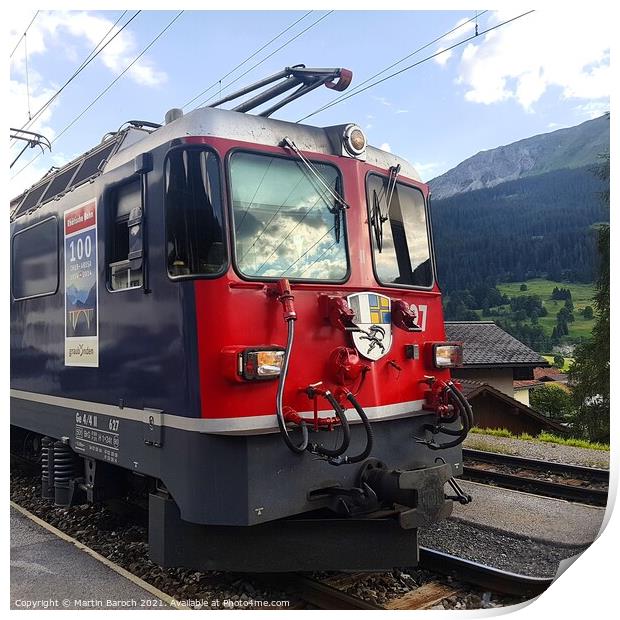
x: 373, y: 316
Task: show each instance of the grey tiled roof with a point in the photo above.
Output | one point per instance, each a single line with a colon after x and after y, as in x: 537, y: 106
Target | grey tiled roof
x: 486, y: 344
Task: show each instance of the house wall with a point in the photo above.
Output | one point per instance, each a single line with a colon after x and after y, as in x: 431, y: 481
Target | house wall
x: 490, y: 412
x: 500, y: 378
x: 523, y: 396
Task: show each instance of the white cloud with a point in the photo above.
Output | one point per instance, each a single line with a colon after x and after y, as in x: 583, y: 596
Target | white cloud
x: 383, y: 101
x: 67, y: 37
x: 442, y: 59
x: 18, y: 104
x: 386, y: 147
x: 461, y: 31
x: 593, y: 109
x: 428, y: 170
x: 63, y: 30
x: 567, y: 49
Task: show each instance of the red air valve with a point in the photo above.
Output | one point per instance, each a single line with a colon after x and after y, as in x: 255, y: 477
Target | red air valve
x: 404, y: 317
x: 338, y: 312
x: 437, y: 398
x: 313, y: 392
x: 345, y: 366
x: 286, y: 298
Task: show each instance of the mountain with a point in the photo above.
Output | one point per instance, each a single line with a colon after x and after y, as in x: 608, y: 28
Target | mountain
x: 570, y: 148
x: 521, y: 211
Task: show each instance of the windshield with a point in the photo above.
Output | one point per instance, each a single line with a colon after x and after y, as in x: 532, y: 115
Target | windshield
x: 286, y: 223
x: 400, y: 239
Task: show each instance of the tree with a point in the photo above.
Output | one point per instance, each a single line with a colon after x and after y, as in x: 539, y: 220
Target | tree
x: 565, y: 315
x: 523, y: 287
x: 589, y: 372
x: 552, y: 401
x: 558, y: 361
x: 588, y: 313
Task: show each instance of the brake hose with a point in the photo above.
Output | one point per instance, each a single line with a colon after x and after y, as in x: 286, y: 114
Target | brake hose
x: 346, y: 460
x: 346, y: 431
x: 298, y: 449
x: 467, y: 418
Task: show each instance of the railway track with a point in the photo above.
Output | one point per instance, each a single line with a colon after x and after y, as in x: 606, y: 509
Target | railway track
x: 328, y: 594
x: 576, y: 483
x: 331, y: 594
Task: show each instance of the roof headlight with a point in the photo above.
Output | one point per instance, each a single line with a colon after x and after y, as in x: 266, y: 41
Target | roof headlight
x: 354, y: 140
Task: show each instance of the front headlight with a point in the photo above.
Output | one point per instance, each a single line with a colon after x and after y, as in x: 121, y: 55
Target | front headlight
x: 260, y: 363
x: 354, y: 140
x: 447, y: 354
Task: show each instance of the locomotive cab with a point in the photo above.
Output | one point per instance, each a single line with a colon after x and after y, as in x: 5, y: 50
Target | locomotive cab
x: 256, y: 327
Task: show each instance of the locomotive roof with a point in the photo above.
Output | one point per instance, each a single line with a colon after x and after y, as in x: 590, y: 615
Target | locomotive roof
x: 256, y: 129
x: 124, y: 145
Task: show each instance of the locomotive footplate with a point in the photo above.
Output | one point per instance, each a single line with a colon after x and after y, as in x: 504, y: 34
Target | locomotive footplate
x: 380, y: 540
x: 296, y: 544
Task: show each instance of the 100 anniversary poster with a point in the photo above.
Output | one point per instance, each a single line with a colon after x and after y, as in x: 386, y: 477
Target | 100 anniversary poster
x: 81, y: 280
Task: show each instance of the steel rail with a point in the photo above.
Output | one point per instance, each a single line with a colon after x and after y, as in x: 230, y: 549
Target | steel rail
x: 558, y: 490
x: 486, y: 577
x: 325, y: 596
x: 468, y: 572
x: 539, y: 465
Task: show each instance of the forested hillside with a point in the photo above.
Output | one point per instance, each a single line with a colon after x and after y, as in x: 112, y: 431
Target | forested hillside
x: 533, y: 227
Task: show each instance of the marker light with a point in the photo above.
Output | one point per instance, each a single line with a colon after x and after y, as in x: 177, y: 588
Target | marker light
x: 354, y: 140
x: 447, y: 354
x: 259, y: 364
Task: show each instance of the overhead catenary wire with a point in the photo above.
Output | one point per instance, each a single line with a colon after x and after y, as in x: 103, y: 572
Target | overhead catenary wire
x: 27, y: 79
x: 252, y: 55
x: 394, y: 64
x: 24, y: 34
x: 416, y: 64
x: 91, y: 56
x: 107, y: 88
x: 312, y: 25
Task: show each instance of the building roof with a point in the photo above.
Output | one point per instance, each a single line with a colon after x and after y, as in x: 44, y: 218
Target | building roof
x: 472, y: 389
x: 487, y: 345
x: 550, y: 374
x: 527, y: 384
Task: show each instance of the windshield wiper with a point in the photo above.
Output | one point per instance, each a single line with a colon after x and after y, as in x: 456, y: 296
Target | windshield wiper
x: 340, y: 203
x: 378, y: 217
x: 376, y: 220
x: 394, y: 172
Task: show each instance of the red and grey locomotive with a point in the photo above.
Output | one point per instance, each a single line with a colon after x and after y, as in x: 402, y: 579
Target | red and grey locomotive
x: 243, y: 312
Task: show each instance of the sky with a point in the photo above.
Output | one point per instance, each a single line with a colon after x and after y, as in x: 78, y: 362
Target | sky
x: 546, y: 70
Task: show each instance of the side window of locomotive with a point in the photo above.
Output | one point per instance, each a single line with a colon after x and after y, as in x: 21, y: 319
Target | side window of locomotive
x: 125, y: 249
x: 399, y: 233
x: 34, y: 260
x: 286, y: 222
x: 194, y: 216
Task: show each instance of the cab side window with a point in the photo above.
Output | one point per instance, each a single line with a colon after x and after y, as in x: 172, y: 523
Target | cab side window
x: 34, y: 260
x: 125, y: 258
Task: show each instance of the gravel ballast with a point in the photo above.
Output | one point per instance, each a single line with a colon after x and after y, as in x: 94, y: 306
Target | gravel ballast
x: 500, y: 550
x: 541, y: 450
x: 122, y: 538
